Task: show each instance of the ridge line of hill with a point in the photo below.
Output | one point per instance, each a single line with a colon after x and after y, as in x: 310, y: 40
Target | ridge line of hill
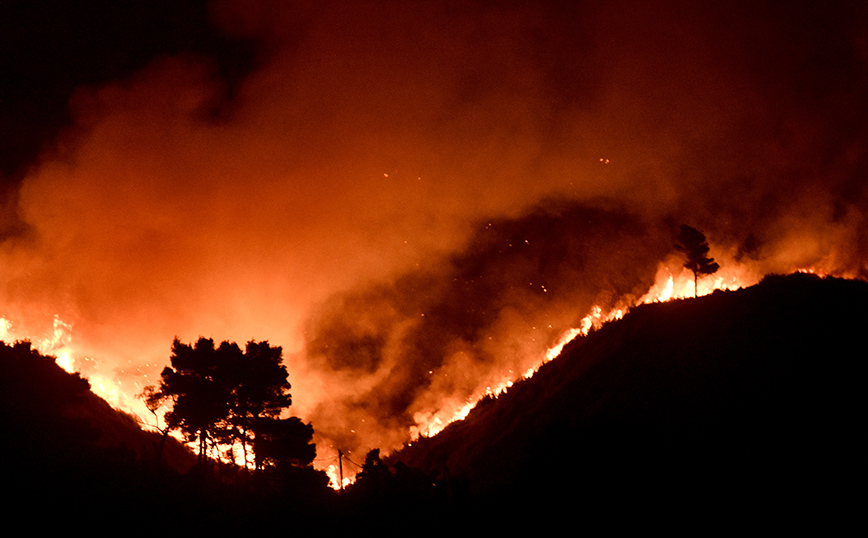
x: 749, y: 390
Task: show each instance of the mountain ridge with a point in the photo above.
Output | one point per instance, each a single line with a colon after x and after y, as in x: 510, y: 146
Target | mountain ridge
x: 739, y: 403
x: 728, y: 390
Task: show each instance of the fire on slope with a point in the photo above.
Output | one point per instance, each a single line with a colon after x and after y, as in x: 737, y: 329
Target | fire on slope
x: 59, y: 343
x: 672, y: 281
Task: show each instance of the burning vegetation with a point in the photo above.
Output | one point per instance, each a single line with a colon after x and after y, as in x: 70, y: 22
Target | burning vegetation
x: 723, y: 398
x: 706, y: 396
x: 421, y: 207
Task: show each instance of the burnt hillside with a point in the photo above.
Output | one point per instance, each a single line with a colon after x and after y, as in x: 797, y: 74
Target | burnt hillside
x: 735, y: 400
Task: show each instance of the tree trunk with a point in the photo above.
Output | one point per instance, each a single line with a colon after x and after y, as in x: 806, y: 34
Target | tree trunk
x: 161, y: 446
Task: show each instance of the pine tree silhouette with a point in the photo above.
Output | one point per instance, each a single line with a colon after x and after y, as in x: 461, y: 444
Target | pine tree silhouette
x: 692, y: 242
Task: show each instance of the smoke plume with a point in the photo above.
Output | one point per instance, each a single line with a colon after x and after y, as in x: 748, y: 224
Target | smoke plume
x: 415, y: 199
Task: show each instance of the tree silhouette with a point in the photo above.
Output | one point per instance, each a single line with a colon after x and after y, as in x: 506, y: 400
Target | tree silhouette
x: 221, y: 394
x: 283, y: 443
x: 154, y: 399
x: 197, y: 387
x: 374, y: 470
x: 692, y: 242
x: 260, y: 391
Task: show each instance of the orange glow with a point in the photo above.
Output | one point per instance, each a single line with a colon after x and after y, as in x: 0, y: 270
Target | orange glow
x: 363, y: 154
x: 333, y: 473
x: 672, y: 281
x: 59, y: 343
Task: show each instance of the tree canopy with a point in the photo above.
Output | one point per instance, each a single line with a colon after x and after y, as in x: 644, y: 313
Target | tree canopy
x: 693, y: 244
x: 223, y: 395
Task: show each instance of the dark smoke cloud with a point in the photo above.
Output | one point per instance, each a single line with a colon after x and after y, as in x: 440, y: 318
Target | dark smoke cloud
x: 439, y: 333
x: 363, y: 194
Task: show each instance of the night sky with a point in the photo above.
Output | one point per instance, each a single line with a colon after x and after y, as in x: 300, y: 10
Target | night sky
x: 410, y: 198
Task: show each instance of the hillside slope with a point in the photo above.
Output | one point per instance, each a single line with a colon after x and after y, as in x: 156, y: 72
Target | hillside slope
x: 67, y: 452
x: 739, y: 397
x: 60, y: 439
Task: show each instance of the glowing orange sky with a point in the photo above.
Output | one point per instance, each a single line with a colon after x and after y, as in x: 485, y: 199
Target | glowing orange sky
x: 376, y: 139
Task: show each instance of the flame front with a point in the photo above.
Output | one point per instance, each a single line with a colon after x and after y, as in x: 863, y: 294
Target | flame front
x: 672, y: 281
x: 59, y: 344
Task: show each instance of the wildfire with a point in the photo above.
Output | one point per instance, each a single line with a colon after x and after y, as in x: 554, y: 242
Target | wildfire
x: 429, y: 424
x: 59, y: 344
x: 333, y: 472
x: 672, y: 281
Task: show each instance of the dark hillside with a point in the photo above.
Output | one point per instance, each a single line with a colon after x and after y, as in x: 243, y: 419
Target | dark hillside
x: 47, y: 412
x: 738, y: 399
x: 62, y: 445
x: 69, y: 454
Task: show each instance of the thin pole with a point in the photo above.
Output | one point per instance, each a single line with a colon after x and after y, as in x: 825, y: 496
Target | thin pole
x: 341, y: 467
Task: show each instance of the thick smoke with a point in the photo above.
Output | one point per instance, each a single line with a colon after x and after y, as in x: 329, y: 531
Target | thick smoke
x: 438, y: 335
x: 413, y: 200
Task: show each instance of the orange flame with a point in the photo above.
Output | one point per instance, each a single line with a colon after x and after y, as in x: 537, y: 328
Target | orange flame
x: 59, y: 344
x: 672, y: 281
x: 669, y: 284
x: 333, y: 473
